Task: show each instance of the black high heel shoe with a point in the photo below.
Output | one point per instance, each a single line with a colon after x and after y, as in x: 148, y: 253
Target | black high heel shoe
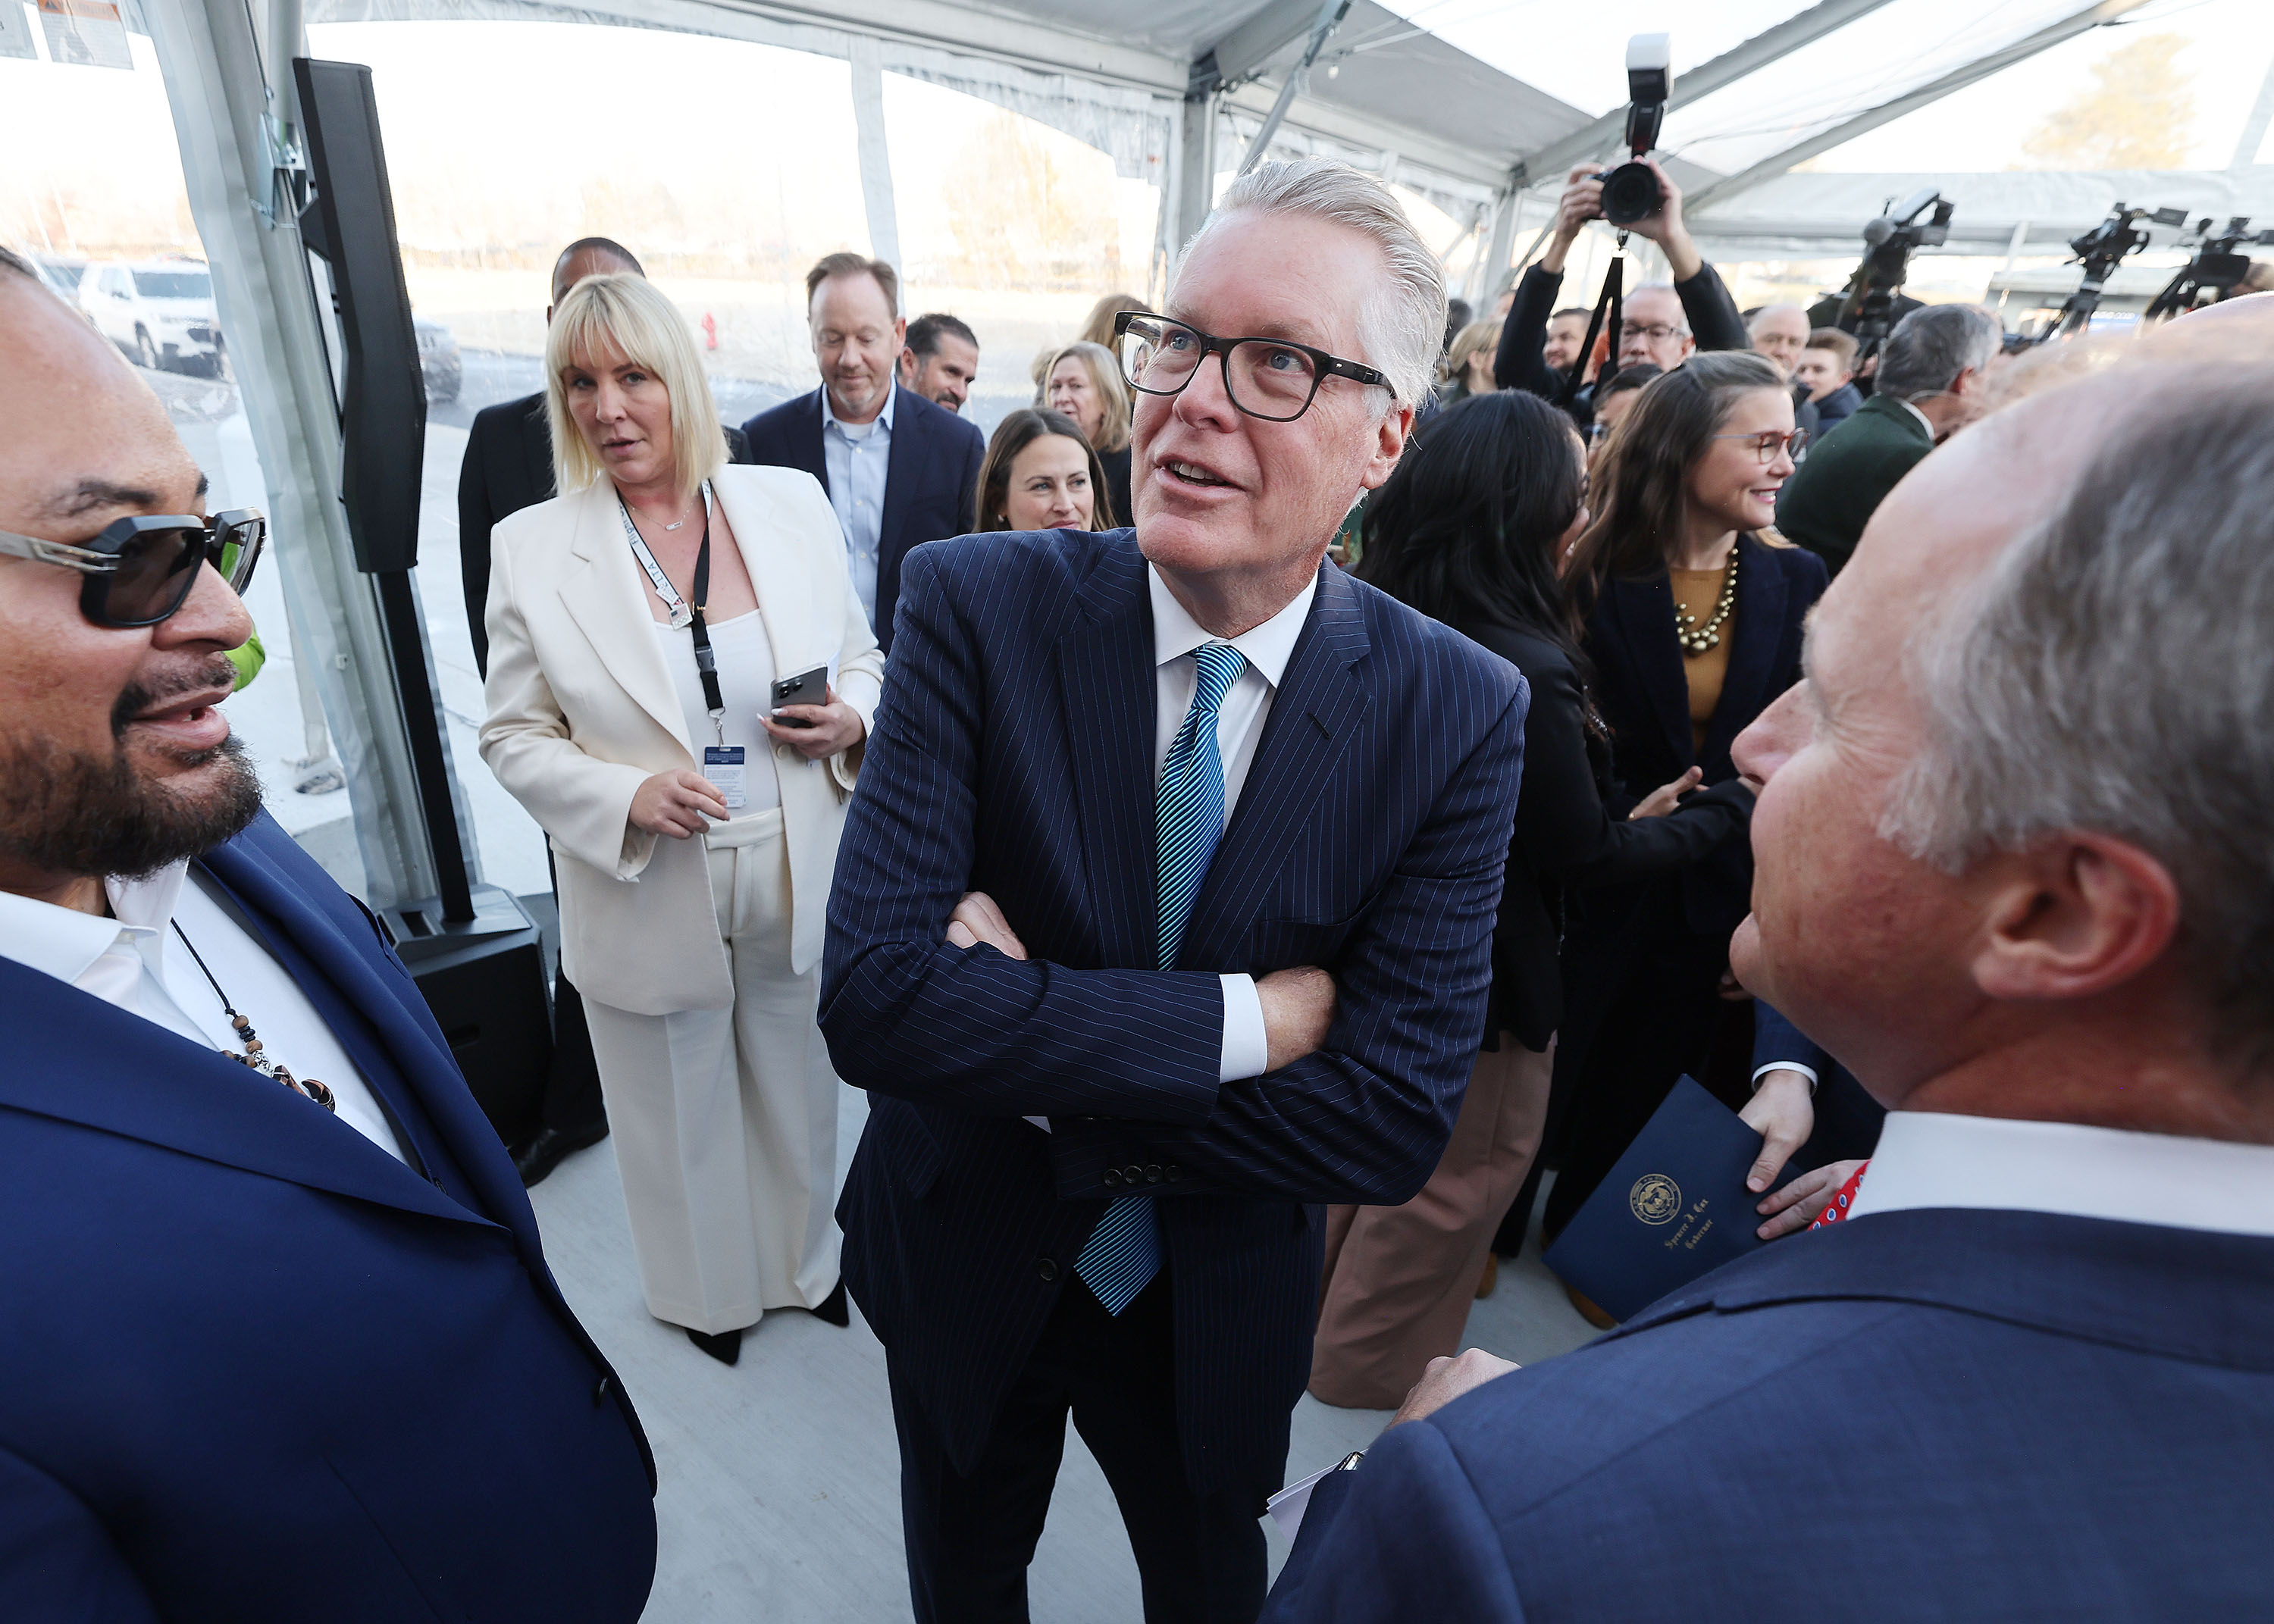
x: 725, y: 1346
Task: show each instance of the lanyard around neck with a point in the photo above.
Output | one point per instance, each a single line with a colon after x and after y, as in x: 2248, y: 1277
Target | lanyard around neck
x: 682, y: 613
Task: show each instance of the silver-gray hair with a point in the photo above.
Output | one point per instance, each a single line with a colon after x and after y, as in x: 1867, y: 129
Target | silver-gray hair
x: 1402, y: 322
x: 1931, y: 347
x: 2113, y: 672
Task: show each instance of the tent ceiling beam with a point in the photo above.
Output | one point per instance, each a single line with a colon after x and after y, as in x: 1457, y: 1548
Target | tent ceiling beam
x: 1981, y: 67
x: 1550, y: 161
x: 1242, y: 53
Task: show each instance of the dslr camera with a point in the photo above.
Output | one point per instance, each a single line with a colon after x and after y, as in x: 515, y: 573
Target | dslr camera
x: 1630, y: 191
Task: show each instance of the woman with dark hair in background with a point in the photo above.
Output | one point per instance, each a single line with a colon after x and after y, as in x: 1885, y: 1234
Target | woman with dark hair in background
x: 1693, y: 608
x: 1040, y: 474
x: 1469, y: 530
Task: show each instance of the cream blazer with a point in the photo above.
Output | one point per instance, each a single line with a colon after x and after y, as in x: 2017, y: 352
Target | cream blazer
x: 582, y: 711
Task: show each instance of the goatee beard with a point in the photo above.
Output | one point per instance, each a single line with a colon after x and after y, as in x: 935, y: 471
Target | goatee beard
x: 79, y: 813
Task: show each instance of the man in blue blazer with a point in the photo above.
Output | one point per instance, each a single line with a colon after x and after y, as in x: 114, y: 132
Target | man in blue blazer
x: 2023, y: 888
x: 898, y: 471
x: 281, y: 1342
x: 1164, y: 915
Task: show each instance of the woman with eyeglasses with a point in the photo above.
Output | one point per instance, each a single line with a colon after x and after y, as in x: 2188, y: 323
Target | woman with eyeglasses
x: 1470, y: 530
x: 680, y: 688
x: 1693, y: 607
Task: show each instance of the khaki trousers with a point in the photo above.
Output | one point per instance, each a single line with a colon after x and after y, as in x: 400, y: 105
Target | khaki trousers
x: 725, y: 1121
x: 1399, y: 1280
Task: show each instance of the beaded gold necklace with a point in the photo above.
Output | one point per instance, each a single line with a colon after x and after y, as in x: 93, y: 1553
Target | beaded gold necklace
x: 1696, y: 639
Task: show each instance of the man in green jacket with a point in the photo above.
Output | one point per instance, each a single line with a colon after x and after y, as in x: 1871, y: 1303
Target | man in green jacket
x: 1929, y: 386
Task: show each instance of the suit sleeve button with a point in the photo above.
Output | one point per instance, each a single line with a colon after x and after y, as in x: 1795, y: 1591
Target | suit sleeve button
x: 1133, y: 1176
x: 1173, y: 1172
x: 1048, y: 1268
x: 1110, y: 1178
x: 1153, y: 1174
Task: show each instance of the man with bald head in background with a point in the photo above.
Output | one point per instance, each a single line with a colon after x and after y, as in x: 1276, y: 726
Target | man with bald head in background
x: 2012, y: 870
x: 281, y: 1342
x: 507, y: 467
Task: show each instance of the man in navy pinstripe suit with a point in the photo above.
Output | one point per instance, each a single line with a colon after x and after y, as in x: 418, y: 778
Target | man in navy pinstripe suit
x: 1162, y: 916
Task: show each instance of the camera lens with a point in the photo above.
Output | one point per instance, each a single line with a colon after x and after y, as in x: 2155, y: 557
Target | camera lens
x: 1630, y: 193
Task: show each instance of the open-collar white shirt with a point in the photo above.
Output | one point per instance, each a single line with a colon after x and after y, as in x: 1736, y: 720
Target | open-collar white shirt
x: 135, y: 961
x: 1934, y: 1159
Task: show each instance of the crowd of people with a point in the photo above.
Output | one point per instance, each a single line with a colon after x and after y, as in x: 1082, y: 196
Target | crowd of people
x: 1232, y: 943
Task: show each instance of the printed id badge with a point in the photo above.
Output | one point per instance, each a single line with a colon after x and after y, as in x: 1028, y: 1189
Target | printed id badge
x: 722, y: 765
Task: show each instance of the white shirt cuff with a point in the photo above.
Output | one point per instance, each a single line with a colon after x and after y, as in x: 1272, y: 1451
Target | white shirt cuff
x: 1785, y: 1065
x: 1246, y: 1046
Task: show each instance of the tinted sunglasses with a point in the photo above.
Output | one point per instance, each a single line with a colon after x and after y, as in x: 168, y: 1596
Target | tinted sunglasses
x: 141, y: 570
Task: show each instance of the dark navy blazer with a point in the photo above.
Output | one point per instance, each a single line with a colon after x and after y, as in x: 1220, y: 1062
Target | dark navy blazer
x: 931, y: 476
x: 1013, y: 754
x: 1917, y: 1416
x: 251, y: 1367
x: 1643, y: 697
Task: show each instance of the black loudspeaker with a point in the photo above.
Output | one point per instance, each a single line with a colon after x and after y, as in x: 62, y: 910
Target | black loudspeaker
x: 473, y: 952
x: 351, y: 227
x: 485, y: 983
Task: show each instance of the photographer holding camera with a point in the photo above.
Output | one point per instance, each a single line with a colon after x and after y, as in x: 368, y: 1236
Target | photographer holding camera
x: 1663, y: 323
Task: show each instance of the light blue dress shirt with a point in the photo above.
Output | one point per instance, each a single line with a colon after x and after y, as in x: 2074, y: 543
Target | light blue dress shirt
x: 857, y: 467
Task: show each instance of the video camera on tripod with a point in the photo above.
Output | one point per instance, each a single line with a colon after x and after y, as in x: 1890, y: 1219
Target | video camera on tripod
x: 1889, y: 242
x: 2100, y: 251
x: 2216, y: 267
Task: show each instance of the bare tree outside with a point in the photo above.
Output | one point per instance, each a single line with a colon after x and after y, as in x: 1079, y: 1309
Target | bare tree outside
x: 2139, y: 113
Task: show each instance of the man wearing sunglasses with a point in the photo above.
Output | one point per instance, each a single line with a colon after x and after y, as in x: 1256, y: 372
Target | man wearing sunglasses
x: 283, y: 1344
x: 1163, y: 915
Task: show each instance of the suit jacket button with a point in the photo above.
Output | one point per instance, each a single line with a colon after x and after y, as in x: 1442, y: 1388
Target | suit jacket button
x: 1110, y: 1179
x: 1153, y: 1174
x: 600, y: 1393
x: 1173, y: 1172
x: 784, y: 751
x: 1133, y: 1176
x: 1048, y: 1268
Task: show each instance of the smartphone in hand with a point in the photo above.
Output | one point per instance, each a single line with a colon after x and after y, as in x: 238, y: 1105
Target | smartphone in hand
x: 810, y: 688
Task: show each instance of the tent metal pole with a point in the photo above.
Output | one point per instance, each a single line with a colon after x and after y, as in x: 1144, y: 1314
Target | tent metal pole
x: 2254, y: 128
x: 1981, y: 67
x: 1331, y: 13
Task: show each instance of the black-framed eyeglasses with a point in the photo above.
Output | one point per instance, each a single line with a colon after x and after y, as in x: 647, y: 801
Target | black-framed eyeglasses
x: 1768, y: 442
x: 141, y: 567
x: 1274, y: 378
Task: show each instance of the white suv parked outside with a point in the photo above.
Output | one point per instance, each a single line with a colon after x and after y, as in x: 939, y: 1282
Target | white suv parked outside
x: 160, y: 311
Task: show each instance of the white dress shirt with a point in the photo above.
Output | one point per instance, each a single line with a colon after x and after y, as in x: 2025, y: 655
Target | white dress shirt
x: 1238, y: 727
x: 858, y: 458
x: 1934, y: 1159
x: 134, y: 960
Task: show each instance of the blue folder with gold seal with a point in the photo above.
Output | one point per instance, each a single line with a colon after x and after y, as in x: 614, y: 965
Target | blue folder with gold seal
x: 1675, y: 1208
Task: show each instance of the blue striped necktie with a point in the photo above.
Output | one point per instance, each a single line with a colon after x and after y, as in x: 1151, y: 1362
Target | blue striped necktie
x: 1124, y: 1252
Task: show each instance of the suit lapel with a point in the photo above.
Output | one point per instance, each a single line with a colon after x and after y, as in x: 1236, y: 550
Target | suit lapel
x: 778, y: 576
x: 383, y: 1020
x: 807, y: 441
x: 900, y: 459
x: 79, y: 1059
x: 1643, y: 613
x: 1314, y: 717
x: 1107, y: 685
x: 602, y: 592
x: 1759, y: 629
x: 536, y: 452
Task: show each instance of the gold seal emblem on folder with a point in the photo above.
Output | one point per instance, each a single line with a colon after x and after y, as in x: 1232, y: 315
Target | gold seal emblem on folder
x: 1655, y: 1198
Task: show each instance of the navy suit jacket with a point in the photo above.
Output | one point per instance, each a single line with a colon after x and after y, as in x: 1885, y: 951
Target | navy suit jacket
x: 254, y: 1368
x: 1013, y: 754
x: 1926, y: 1415
x: 1644, y: 695
x: 931, y: 476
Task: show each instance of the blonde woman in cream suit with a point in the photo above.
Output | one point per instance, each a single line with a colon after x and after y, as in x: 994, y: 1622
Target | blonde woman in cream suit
x: 691, y: 917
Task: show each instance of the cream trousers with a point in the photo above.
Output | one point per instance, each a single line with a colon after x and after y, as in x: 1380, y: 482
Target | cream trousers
x: 725, y: 1121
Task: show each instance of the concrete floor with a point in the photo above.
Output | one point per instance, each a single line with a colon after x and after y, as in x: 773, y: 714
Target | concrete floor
x: 779, y: 1495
